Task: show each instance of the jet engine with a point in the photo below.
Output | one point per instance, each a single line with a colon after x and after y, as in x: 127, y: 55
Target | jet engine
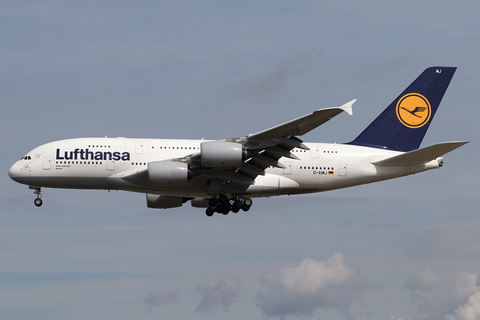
x: 220, y: 154
x: 200, y: 203
x: 156, y: 201
x: 167, y: 173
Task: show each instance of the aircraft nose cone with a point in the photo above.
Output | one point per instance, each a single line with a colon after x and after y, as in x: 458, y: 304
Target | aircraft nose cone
x: 14, y: 171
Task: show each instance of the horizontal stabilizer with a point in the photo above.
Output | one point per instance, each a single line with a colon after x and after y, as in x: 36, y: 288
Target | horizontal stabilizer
x: 420, y: 156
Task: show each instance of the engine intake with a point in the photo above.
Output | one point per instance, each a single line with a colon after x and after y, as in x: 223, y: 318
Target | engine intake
x: 220, y: 154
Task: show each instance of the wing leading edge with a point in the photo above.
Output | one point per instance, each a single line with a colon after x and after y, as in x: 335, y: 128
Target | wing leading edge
x: 302, y: 125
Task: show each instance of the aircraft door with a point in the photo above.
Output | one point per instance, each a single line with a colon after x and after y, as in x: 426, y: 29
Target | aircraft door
x: 138, y: 147
x: 342, y: 169
x: 47, y: 163
x: 288, y: 169
x: 314, y: 152
x: 110, y: 165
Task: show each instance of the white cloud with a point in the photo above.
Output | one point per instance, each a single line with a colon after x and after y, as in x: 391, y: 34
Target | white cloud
x: 469, y: 311
x: 217, y: 294
x: 440, y: 295
x: 312, y: 285
x: 157, y: 298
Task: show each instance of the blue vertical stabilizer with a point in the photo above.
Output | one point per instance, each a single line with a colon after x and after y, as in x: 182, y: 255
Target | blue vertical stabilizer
x: 404, y: 123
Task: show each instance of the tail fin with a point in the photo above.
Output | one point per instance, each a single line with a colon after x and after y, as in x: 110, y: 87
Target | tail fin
x: 404, y: 123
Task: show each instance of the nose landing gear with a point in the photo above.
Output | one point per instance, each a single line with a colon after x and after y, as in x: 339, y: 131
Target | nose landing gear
x: 38, y: 201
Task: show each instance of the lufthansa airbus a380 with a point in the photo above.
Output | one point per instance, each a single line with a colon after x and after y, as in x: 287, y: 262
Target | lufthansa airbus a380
x: 224, y: 175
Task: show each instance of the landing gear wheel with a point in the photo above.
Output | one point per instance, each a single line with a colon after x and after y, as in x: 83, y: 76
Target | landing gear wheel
x: 223, y: 199
x: 219, y: 208
x: 38, y: 202
x: 38, y: 191
x: 213, y: 202
x: 247, y: 203
x: 237, y: 203
x: 210, y: 211
x: 236, y: 206
x: 225, y: 210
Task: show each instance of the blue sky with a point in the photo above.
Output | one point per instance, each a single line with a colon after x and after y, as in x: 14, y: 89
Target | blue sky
x: 401, y: 249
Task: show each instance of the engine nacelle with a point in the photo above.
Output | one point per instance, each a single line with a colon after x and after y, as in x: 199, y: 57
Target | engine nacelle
x: 156, y: 201
x: 167, y: 173
x: 200, y: 203
x: 220, y: 154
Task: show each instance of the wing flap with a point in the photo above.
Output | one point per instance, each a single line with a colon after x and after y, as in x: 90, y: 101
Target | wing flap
x: 420, y: 156
x: 267, y: 161
x: 252, y: 169
x: 280, y: 152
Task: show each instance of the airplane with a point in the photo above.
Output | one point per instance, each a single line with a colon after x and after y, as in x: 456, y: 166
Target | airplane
x: 224, y: 175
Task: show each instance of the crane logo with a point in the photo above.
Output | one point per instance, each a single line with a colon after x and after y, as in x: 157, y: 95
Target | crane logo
x: 413, y: 110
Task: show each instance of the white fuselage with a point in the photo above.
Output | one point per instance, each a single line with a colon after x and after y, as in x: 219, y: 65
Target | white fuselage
x: 100, y: 163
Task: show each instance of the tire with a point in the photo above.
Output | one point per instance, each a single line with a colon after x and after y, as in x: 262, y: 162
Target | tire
x: 225, y: 210
x: 237, y: 204
x: 248, y: 202
x: 38, y: 202
x: 219, y: 208
x: 213, y: 202
x: 210, y: 211
x: 223, y: 199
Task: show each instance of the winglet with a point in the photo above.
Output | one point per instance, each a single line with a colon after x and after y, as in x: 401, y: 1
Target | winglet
x: 347, y: 107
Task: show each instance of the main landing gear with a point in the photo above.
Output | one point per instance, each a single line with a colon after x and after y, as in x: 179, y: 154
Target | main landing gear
x: 38, y: 201
x: 223, y: 205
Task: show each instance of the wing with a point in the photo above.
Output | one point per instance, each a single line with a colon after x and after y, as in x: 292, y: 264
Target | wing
x: 258, y: 151
x: 302, y: 125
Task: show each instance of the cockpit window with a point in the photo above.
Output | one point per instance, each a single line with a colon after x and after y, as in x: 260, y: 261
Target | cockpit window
x: 27, y: 158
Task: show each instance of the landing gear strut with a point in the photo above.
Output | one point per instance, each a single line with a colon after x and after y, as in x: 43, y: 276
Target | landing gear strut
x: 224, y: 205
x: 38, y: 201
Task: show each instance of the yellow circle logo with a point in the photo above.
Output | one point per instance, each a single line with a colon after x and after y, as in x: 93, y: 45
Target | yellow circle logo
x: 413, y: 110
